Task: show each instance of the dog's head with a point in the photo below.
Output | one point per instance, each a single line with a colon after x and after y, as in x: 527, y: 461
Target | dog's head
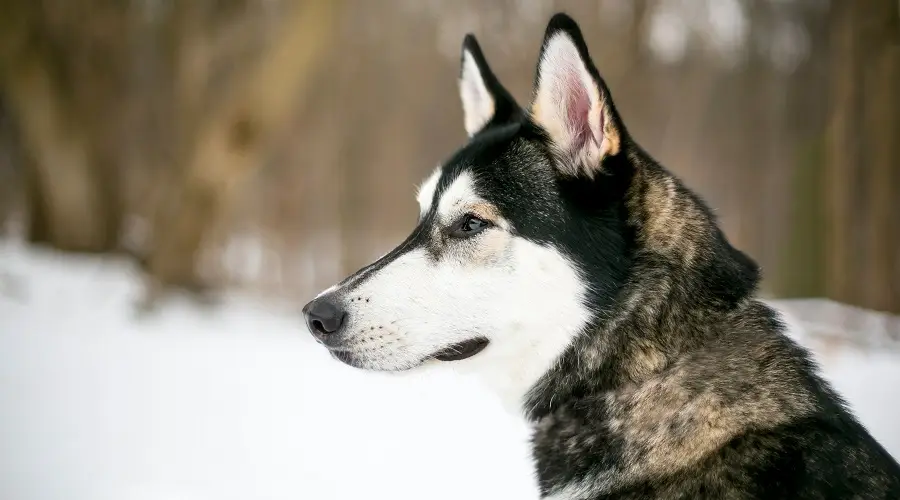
x: 521, y: 240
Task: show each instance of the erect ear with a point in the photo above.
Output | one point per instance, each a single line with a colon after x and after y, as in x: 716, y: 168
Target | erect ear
x: 571, y: 102
x: 485, y: 101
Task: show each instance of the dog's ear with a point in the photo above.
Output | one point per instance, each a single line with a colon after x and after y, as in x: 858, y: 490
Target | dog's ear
x: 485, y: 101
x: 571, y: 102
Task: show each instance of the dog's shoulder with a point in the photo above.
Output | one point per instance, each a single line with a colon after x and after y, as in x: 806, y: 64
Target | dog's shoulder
x: 827, y: 454
x: 812, y: 458
x: 745, y: 416
x: 791, y: 434
x: 819, y: 449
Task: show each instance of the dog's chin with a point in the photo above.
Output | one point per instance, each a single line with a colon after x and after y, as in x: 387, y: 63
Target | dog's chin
x: 456, y: 352
x: 346, y: 357
x: 363, y: 362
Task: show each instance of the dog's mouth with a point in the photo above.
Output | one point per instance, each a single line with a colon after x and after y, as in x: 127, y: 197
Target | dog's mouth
x: 455, y: 352
x: 461, y: 350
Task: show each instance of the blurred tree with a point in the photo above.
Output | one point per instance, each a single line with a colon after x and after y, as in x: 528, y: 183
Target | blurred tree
x: 10, y: 195
x: 220, y: 144
x: 863, y: 167
x: 59, y: 71
x: 800, y: 269
x: 195, y: 93
x: 138, y: 122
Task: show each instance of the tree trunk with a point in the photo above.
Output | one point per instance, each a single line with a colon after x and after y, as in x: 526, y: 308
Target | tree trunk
x: 72, y: 200
x: 801, y: 263
x: 882, y: 281
x: 233, y: 141
x: 843, y: 152
x: 71, y: 186
x: 863, y: 164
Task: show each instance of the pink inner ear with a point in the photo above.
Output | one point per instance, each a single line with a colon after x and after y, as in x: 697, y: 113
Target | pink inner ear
x: 578, y: 109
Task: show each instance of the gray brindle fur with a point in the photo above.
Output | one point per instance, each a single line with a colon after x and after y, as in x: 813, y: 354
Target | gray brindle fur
x: 581, y: 280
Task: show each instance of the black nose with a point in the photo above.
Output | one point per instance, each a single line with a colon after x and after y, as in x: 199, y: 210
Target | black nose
x: 324, y: 317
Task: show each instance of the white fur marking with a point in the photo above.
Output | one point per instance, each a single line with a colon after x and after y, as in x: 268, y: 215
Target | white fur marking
x: 529, y: 303
x: 583, y: 489
x: 571, y: 491
x: 425, y: 194
x: 459, y: 195
x: 477, y: 101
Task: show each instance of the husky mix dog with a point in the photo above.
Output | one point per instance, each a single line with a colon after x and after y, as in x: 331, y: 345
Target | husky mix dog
x: 561, y: 264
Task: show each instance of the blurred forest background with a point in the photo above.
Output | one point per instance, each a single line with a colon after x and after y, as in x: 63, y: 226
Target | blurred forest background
x: 275, y: 145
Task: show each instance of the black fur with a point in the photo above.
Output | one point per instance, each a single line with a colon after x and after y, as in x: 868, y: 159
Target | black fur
x: 678, y: 339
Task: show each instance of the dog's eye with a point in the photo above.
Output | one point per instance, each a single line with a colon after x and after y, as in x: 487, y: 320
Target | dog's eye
x: 468, y: 225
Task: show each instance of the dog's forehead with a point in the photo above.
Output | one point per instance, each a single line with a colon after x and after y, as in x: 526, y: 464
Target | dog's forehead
x: 474, y: 174
x: 460, y: 192
x: 447, y: 192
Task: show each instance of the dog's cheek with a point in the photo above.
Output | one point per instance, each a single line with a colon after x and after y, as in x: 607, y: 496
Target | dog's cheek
x: 488, y: 250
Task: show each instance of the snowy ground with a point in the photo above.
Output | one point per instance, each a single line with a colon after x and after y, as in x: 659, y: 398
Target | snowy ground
x: 237, y: 402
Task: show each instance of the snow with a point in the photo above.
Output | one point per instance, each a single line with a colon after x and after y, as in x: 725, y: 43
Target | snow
x: 237, y: 402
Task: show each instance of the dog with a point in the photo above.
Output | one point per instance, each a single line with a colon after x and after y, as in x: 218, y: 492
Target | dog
x: 557, y: 261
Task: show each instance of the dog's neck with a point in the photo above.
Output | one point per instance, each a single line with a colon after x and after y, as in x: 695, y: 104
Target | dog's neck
x: 641, y: 332
x: 644, y: 331
x: 510, y: 370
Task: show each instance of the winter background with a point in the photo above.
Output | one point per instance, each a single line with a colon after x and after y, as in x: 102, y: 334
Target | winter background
x: 236, y: 401
x: 177, y: 178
